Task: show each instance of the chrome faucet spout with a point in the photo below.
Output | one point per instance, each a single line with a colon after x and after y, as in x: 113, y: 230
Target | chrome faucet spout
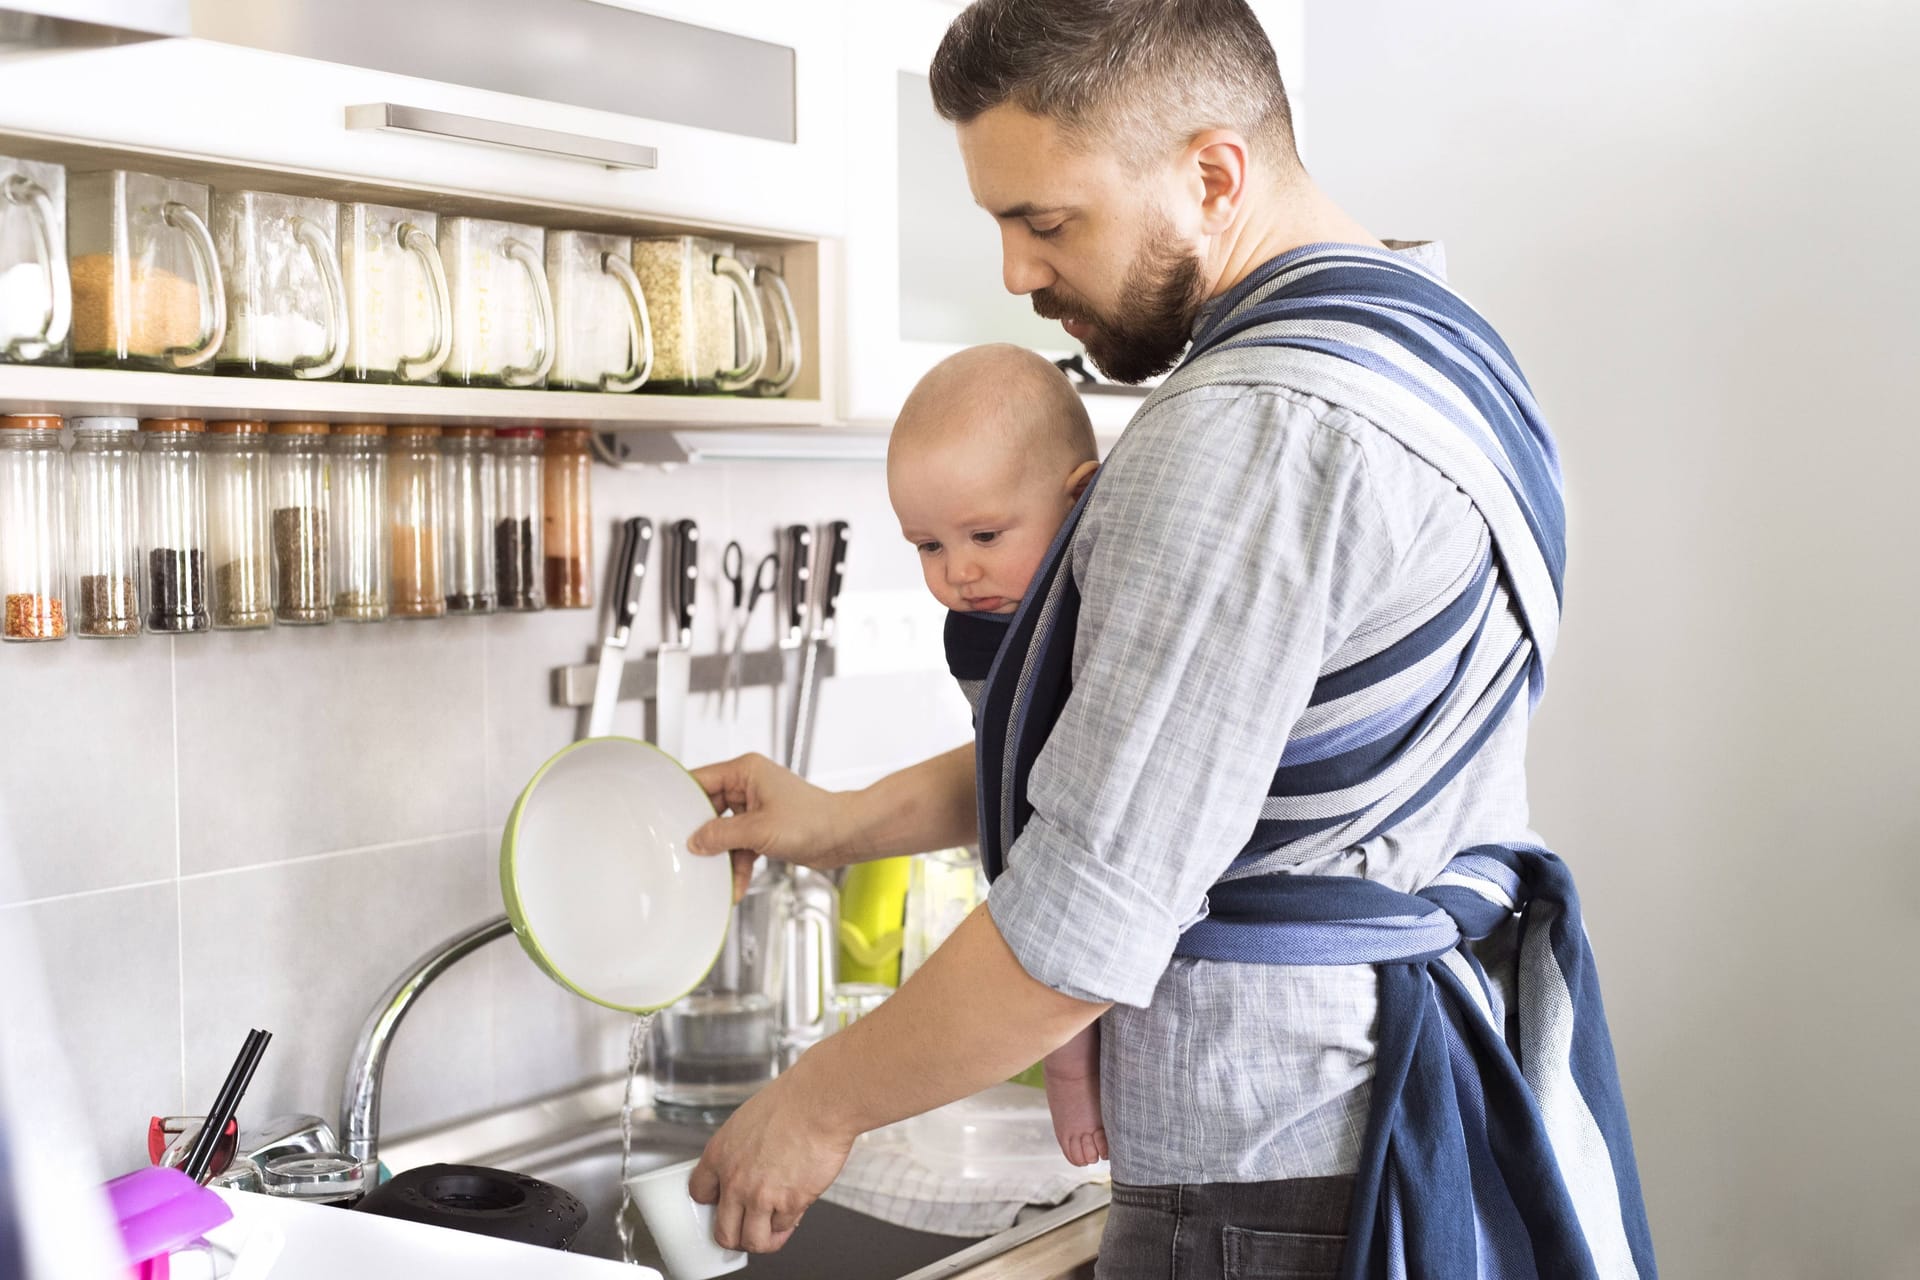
x: 360, y: 1099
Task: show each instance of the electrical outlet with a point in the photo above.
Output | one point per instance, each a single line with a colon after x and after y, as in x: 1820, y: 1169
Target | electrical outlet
x: 886, y: 632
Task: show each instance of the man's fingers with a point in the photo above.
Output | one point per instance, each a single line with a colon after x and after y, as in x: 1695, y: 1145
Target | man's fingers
x: 726, y: 1221
x: 743, y: 861
x: 735, y: 831
x: 703, y: 1184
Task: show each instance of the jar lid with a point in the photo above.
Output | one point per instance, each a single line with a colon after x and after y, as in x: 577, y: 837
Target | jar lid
x: 359, y: 428
x: 105, y: 424
x: 195, y: 425
x: 299, y: 428
x: 239, y: 427
x: 31, y: 422
x: 303, y: 1173
x: 567, y: 439
x: 521, y: 433
x: 414, y: 431
x: 467, y: 433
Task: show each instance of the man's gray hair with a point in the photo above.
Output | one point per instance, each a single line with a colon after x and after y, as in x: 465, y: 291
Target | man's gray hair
x: 1142, y: 76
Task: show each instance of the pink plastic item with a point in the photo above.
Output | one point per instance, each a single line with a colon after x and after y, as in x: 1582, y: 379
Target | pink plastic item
x: 161, y: 1211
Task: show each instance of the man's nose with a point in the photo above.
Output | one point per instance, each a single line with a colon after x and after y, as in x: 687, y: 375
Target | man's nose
x: 1021, y: 268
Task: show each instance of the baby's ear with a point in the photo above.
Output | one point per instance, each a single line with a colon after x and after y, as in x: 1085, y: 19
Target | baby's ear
x: 1080, y: 478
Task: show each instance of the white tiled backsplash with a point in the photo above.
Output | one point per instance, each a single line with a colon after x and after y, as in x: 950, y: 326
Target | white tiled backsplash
x: 217, y: 832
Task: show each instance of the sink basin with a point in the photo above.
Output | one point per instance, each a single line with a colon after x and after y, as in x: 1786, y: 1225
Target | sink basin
x: 573, y: 1141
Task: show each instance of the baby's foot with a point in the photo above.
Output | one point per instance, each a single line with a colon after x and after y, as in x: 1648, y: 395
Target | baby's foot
x: 1075, y: 1107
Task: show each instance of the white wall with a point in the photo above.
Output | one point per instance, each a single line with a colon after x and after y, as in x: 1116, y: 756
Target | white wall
x: 1695, y: 223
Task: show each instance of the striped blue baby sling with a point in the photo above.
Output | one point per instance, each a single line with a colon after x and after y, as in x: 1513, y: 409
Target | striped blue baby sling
x: 1497, y: 1142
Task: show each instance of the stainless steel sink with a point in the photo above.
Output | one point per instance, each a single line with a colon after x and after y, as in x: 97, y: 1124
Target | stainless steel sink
x: 573, y: 1141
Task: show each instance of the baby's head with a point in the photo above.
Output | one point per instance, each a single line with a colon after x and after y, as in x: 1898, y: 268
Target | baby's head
x: 989, y: 455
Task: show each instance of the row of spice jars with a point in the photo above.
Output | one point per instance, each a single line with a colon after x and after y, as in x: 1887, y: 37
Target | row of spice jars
x: 300, y: 523
x: 136, y: 270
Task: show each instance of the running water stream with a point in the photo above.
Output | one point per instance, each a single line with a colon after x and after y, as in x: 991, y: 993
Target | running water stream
x: 636, y: 1063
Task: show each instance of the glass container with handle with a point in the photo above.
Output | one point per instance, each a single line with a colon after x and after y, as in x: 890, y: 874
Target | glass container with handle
x: 147, y: 291
x: 693, y: 287
x: 286, y: 303
x: 466, y: 537
x: 302, y: 562
x: 33, y: 527
x: 173, y: 510
x: 414, y: 520
x: 567, y: 517
x: 781, y: 369
x: 105, y: 462
x: 36, y: 304
x: 519, y: 568
x: 359, y: 510
x: 603, y: 337
x: 240, y: 525
x: 502, y: 308
x: 399, y: 315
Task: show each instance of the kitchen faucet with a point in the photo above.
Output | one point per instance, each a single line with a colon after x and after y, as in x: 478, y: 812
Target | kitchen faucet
x: 360, y: 1099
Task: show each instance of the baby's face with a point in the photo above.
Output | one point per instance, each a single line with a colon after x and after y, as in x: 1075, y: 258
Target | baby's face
x: 980, y: 520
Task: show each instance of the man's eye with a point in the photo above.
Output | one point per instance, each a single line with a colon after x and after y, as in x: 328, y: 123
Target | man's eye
x: 929, y: 548
x: 1045, y: 233
x: 986, y: 539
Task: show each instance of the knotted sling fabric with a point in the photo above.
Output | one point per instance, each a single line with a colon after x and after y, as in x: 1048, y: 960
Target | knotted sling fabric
x: 1497, y: 1142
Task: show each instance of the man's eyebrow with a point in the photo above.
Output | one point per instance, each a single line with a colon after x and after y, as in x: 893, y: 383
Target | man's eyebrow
x: 1028, y: 209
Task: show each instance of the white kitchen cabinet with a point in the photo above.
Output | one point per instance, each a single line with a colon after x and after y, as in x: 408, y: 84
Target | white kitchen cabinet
x: 923, y: 271
x: 196, y: 100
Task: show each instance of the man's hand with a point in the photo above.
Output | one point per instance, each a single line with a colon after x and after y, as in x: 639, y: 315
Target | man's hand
x: 765, y: 1166
x: 774, y: 813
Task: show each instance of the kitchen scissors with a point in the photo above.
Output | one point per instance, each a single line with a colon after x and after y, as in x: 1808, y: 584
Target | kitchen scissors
x: 745, y: 598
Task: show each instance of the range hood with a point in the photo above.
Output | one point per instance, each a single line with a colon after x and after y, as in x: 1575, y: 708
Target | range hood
x: 81, y: 24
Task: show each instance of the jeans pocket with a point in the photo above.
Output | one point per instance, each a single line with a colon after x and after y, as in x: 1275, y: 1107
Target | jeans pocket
x: 1143, y: 1227
x: 1280, y: 1255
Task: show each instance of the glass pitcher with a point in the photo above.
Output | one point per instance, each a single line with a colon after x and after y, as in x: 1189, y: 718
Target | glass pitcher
x: 147, y: 292
x: 693, y: 288
x: 502, y: 308
x: 286, y: 303
x: 36, y: 306
x: 399, y: 316
x: 603, y: 336
x: 781, y: 368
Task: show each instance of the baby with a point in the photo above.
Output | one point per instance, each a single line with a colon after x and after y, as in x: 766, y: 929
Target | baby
x: 989, y: 455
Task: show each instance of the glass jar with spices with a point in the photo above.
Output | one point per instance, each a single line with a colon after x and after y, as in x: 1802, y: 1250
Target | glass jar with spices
x: 33, y: 527
x: 768, y: 270
x: 147, y: 292
x: 399, y: 315
x: 286, y: 303
x: 105, y: 461
x: 519, y: 569
x: 240, y: 520
x: 413, y: 521
x: 603, y: 339
x: 502, y: 308
x: 173, y: 510
x: 36, y: 306
x: 359, y: 500
x: 297, y: 483
x: 567, y: 518
x: 692, y: 287
x: 466, y: 532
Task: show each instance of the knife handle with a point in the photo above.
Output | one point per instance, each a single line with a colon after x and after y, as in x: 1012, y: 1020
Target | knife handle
x: 798, y: 564
x: 686, y: 570
x: 834, y: 555
x: 636, y: 539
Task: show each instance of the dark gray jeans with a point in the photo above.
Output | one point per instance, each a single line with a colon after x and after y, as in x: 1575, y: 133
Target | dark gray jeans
x: 1292, y: 1230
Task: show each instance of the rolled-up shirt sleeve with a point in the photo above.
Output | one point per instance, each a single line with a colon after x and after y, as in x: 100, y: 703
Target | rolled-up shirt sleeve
x: 1230, y: 542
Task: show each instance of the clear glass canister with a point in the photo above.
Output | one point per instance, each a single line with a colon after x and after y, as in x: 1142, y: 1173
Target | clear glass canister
x: 413, y: 521
x: 147, y: 292
x: 33, y: 527
x: 399, y: 317
x: 297, y: 481
x: 519, y: 569
x: 692, y: 287
x: 105, y: 461
x: 36, y: 306
x: 767, y: 269
x: 502, y: 310
x: 173, y: 510
x: 359, y: 500
x: 603, y: 340
x: 240, y: 524
x: 286, y: 303
x: 466, y: 537
x: 567, y: 518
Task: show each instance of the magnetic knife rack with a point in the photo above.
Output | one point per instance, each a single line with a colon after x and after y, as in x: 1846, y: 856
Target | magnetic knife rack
x: 640, y: 679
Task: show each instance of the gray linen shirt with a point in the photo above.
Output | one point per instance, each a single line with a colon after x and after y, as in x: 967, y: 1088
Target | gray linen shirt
x: 1238, y: 537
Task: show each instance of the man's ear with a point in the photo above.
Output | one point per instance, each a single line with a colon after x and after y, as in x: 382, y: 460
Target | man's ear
x: 1079, y: 478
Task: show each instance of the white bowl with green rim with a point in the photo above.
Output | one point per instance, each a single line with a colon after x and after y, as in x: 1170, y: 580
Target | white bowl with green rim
x: 599, y: 884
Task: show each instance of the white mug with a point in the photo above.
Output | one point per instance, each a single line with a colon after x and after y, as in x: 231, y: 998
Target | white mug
x: 681, y: 1229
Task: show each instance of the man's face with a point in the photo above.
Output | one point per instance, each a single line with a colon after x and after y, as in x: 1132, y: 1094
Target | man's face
x: 1096, y: 244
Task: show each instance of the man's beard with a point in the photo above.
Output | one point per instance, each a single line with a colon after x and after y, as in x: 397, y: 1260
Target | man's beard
x: 1158, y: 301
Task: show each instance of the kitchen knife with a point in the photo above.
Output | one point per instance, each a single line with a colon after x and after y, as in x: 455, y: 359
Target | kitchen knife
x: 675, y: 665
x: 636, y: 540
x: 833, y: 554
x: 796, y: 572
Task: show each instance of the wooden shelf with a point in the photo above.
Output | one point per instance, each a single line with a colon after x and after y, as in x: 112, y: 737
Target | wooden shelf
x: 76, y: 392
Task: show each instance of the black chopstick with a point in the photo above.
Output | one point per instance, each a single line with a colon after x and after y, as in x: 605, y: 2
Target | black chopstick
x: 225, y: 1103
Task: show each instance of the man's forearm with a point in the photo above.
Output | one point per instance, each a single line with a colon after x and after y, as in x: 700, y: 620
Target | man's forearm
x: 926, y: 806
x: 968, y: 1018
